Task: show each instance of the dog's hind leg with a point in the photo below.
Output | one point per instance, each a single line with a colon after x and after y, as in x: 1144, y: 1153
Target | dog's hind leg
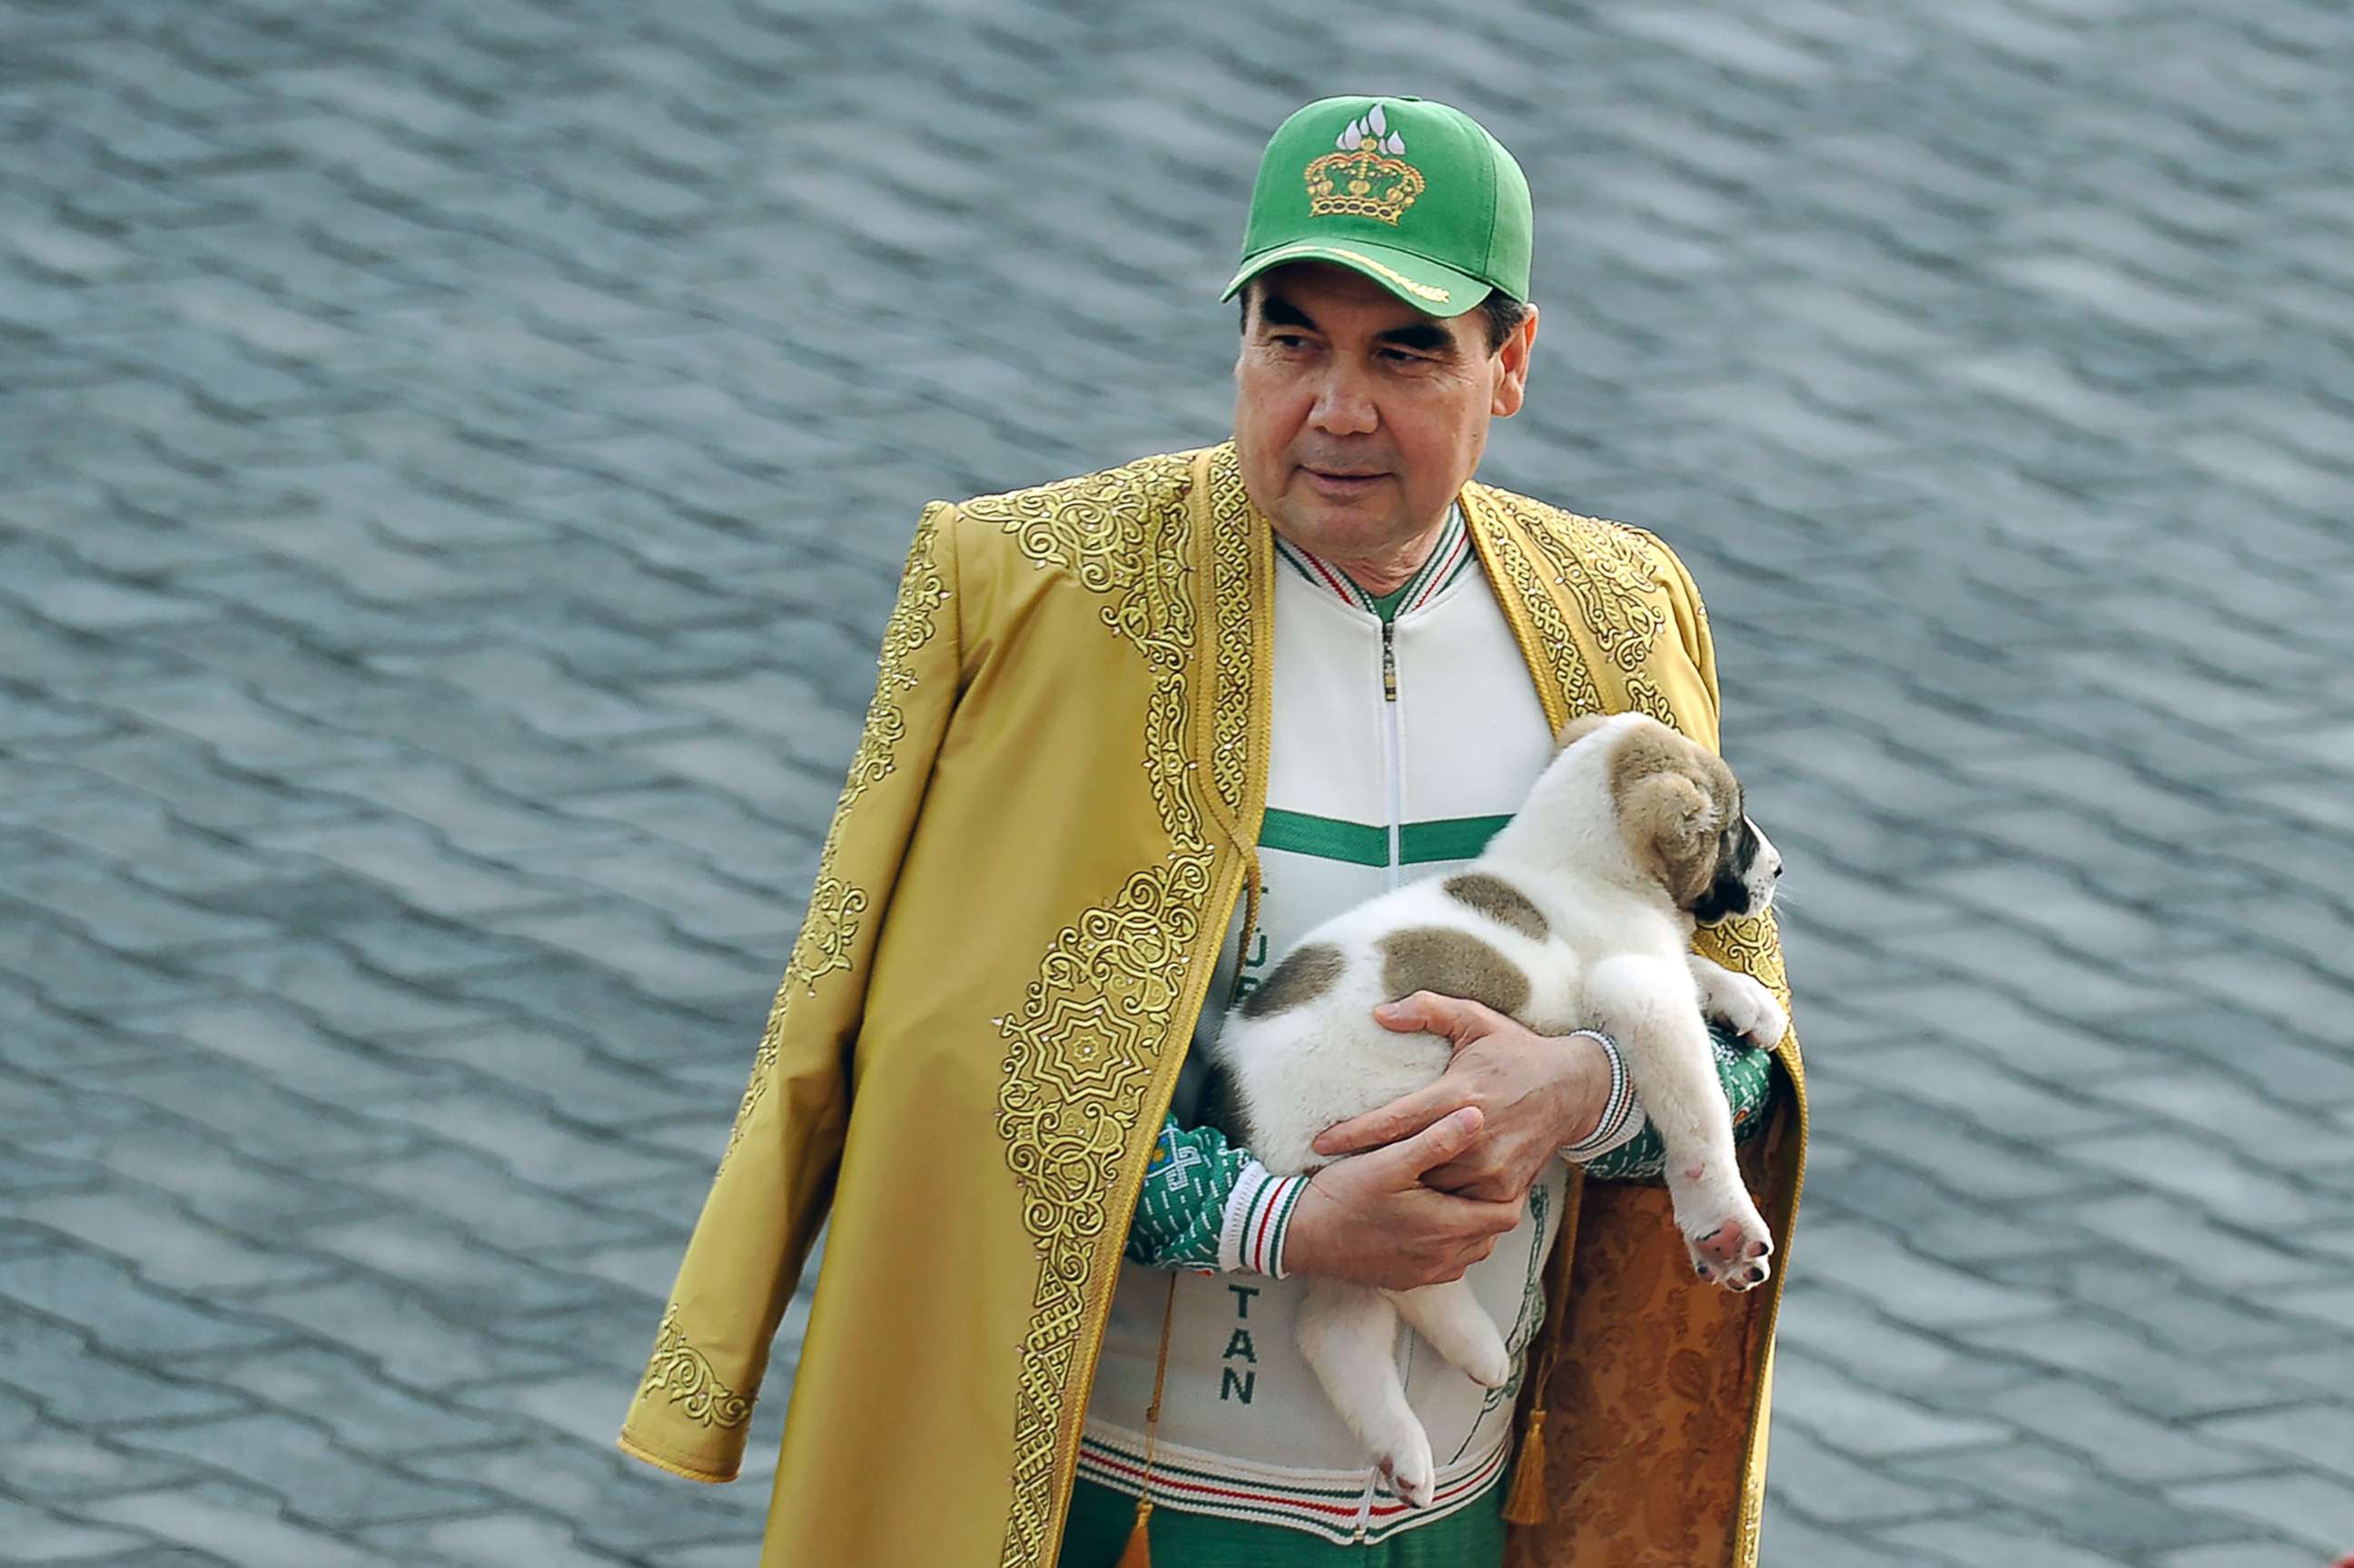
x: 1349, y: 1335
x: 1450, y: 1316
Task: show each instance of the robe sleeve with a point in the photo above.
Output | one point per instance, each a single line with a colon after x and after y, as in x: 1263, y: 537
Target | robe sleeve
x: 691, y: 1414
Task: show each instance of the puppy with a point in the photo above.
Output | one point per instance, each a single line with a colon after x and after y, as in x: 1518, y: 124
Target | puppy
x: 1579, y: 913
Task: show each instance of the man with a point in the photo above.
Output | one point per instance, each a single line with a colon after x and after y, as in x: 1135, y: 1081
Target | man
x: 1132, y: 732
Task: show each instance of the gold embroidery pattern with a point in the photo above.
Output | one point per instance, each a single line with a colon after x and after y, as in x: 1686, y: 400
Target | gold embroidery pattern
x: 682, y: 1370
x: 836, y: 908
x: 1080, y: 1054
x: 1569, y: 672
x: 1123, y: 534
x: 1342, y: 184
x: 1752, y: 945
x: 1231, y: 516
x: 824, y: 944
x: 1082, y: 1048
x: 1607, y: 572
x: 1645, y: 697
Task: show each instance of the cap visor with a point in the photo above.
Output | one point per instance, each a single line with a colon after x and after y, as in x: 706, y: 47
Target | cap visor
x: 1421, y: 283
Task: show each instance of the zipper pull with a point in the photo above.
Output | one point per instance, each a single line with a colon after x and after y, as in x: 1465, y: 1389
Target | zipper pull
x: 1251, y: 888
x: 1389, y: 662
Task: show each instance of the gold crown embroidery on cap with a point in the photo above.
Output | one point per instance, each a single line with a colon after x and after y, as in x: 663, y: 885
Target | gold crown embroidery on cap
x: 1368, y: 177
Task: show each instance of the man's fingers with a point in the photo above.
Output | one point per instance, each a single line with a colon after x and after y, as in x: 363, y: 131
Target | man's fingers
x: 1469, y: 1178
x: 1490, y: 1220
x: 1402, y: 1118
x: 1454, y: 1176
x: 1407, y: 1014
x: 1435, y: 1144
x: 1451, y: 1016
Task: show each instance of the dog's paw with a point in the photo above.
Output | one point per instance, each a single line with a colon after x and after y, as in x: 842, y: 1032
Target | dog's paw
x: 1751, y: 1010
x: 1491, y: 1366
x: 1408, y: 1469
x: 1731, y: 1251
x: 1460, y: 1330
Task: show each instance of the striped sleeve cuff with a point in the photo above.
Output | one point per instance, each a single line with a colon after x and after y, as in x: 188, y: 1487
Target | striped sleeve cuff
x: 1259, y: 1213
x: 1622, y: 1118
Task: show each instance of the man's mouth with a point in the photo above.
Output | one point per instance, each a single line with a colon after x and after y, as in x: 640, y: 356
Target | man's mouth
x: 1339, y: 482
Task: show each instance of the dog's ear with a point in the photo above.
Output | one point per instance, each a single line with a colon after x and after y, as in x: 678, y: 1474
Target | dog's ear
x: 1672, y: 824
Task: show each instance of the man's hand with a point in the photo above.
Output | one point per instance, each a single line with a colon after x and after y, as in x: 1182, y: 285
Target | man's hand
x: 1535, y: 1095
x: 1374, y: 1219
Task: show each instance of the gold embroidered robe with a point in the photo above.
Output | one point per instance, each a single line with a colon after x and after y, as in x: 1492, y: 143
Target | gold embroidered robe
x: 1049, y: 817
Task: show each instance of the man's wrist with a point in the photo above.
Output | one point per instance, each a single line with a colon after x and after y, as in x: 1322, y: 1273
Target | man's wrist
x: 1258, y: 1221
x: 1619, y: 1119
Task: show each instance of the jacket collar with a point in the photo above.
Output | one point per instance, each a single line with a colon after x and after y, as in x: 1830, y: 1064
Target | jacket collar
x: 1230, y: 693
x: 1447, y: 560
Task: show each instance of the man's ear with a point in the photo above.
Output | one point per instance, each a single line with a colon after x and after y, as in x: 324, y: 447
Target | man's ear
x: 1512, y: 388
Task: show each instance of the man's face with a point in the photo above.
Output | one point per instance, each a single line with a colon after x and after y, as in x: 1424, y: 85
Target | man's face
x: 1358, y: 418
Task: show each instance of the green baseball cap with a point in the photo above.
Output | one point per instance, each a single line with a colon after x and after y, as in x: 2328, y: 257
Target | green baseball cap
x: 1415, y: 195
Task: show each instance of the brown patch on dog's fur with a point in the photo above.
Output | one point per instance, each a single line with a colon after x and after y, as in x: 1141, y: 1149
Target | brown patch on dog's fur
x: 1451, y: 963
x: 1499, y: 900
x: 1674, y: 798
x: 1305, y: 974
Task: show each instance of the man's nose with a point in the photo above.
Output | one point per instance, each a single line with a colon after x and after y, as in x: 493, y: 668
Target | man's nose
x: 1344, y: 404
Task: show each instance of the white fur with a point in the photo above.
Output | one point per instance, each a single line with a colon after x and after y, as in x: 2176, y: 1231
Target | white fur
x: 1616, y: 958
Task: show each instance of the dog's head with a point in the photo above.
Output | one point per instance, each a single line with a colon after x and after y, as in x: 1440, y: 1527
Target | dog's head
x: 1679, y: 813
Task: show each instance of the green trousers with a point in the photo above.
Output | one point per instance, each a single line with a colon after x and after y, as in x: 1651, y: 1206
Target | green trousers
x: 1101, y: 1519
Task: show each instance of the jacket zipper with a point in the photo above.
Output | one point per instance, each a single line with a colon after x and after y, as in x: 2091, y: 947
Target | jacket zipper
x: 1395, y: 740
x: 1396, y: 750
x: 1251, y: 888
